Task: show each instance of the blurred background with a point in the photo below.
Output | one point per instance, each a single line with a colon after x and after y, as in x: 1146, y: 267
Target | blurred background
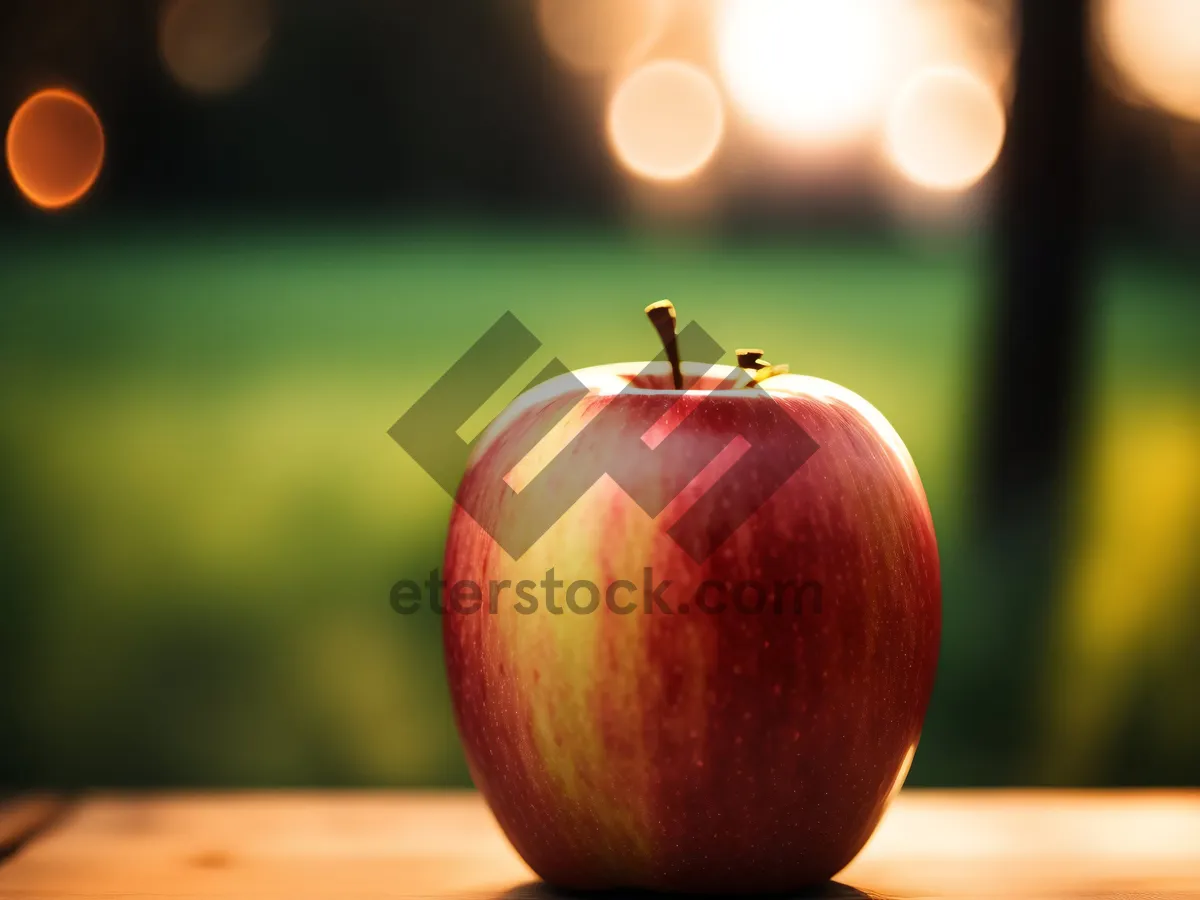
x: 239, y: 238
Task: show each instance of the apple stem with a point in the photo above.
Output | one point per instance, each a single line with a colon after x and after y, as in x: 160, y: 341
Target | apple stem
x: 662, y: 317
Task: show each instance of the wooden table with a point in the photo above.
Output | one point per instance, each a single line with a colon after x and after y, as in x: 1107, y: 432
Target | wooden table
x: 445, y: 845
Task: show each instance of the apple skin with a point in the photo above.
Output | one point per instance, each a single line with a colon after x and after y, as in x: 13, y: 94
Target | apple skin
x: 746, y: 752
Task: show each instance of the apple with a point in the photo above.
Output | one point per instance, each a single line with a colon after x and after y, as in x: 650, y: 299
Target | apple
x: 737, y: 712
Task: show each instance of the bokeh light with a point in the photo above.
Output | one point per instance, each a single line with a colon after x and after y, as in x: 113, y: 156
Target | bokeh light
x: 214, y: 46
x: 666, y: 120
x: 601, y: 35
x: 55, y: 148
x: 808, y: 69
x: 1155, y: 47
x: 945, y: 129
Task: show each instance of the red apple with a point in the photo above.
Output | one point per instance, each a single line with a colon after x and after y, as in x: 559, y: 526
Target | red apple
x: 691, y: 743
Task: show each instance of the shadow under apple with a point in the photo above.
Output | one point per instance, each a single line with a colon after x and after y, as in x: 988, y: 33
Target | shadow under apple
x: 537, y: 890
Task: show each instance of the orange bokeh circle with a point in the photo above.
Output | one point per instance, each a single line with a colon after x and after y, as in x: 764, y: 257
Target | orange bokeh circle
x: 55, y: 148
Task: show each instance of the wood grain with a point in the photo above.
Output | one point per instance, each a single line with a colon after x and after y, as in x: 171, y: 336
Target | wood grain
x: 446, y: 845
x: 22, y: 818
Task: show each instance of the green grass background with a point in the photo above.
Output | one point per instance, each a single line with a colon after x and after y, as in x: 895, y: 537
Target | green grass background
x: 202, y: 512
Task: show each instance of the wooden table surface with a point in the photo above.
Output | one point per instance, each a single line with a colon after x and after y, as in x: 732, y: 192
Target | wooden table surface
x: 446, y: 845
